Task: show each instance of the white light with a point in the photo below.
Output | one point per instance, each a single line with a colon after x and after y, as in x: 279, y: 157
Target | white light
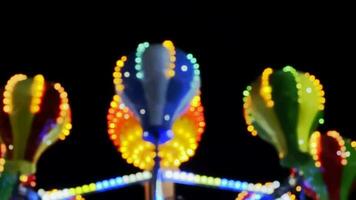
x: 184, y: 68
x: 170, y: 133
x: 147, y: 175
x: 176, y: 175
x: 338, y: 153
x: 127, y: 74
x: 145, y: 134
x: 11, y: 147
x: 169, y: 174
x: 122, y: 106
x: 125, y: 179
x: 301, y: 141
x: 309, y: 90
x: 276, y: 184
x: 183, y: 176
x: 142, y: 111
x: 139, y: 176
x: 190, y: 177
x: 132, y: 178
x: 41, y: 192
x: 166, y: 117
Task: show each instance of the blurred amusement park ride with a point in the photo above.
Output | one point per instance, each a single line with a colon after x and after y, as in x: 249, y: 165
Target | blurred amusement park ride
x: 156, y: 121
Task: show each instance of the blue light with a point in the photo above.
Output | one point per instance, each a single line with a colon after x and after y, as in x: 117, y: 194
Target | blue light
x: 118, y: 180
x: 99, y: 186
x: 112, y: 182
x: 231, y: 183
x: 237, y: 185
x: 224, y: 182
x: 105, y: 184
x: 244, y: 186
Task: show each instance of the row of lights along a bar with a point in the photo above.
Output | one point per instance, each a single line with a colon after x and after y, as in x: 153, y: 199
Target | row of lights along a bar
x: 180, y: 177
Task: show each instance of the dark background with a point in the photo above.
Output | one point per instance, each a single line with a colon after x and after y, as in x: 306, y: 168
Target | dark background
x: 78, y: 46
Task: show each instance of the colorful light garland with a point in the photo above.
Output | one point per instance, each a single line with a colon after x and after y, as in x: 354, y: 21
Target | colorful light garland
x: 266, y: 89
x: 64, y: 112
x: 138, y: 60
x: 180, y: 177
x: 8, y: 107
x: 219, y: 183
x: 2, y: 157
x: 172, y: 57
x: 37, y: 88
x: 118, y: 75
x: 100, y: 186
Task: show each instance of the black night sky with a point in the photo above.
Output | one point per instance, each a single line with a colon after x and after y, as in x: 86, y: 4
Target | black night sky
x: 78, y: 47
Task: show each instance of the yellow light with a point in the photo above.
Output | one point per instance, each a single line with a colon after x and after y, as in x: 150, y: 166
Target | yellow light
x: 37, y: 90
x: 113, y: 104
x: 9, y: 90
x: 315, y: 147
x: 266, y: 89
x: 298, y: 188
x: 353, y: 144
x: 250, y: 128
x: 171, y: 50
x: 241, y: 196
x: 2, y: 161
x: 23, y: 178
x: 127, y: 134
x: 118, y: 75
x: 120, y: 63
x: 64, y: 114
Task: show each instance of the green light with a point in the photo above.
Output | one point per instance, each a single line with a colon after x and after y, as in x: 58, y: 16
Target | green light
x: 189, y: 56
x: 246, y: 93
x: 196, y: 72
x: 146, y: 44
x: 193, y: 60
x: 138, y: 60
x: 289, y: 69
x: 139, y: 75
x: 196, y: 66
x: 321, y: 121
x: 138, y: 67
x: 249, y: 88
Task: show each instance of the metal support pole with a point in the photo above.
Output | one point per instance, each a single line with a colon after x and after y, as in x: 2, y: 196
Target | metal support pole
x: 156, y: 181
